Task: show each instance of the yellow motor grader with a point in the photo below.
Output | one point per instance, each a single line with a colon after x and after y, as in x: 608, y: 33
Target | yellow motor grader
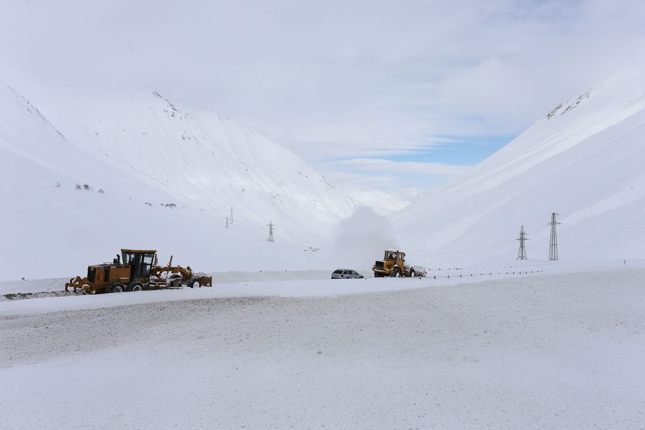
x: 135, y: 270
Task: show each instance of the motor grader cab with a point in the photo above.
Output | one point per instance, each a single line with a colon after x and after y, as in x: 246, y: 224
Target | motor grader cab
x: 393, y: 264
x: 140, y: 262
x: 129, y: 271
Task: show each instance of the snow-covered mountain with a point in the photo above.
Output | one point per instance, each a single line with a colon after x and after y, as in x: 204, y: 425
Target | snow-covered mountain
x: 151, y: 175
x: 584, y: 160
x: 155, y: 175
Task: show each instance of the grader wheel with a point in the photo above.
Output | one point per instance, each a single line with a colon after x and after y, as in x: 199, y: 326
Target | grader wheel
x: 117, y: 288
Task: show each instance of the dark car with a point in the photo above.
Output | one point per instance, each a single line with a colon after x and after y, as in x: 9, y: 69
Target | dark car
x: 346, y: 274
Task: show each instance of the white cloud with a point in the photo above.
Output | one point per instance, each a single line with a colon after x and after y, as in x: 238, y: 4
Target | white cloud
x: 384, y: 166
x: 388, y: 185
x: 334, y: 79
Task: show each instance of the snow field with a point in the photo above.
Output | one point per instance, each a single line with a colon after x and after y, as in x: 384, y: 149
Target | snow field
x: 550, y: 351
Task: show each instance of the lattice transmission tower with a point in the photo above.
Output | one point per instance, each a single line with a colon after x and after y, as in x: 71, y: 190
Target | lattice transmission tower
x: 271, y: 228
x: 521, y: 254
x: 553, y: 242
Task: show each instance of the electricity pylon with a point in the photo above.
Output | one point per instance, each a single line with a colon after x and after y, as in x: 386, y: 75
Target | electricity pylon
x: 521, y: 254
x: 271, y: 227
x: 553, y: 243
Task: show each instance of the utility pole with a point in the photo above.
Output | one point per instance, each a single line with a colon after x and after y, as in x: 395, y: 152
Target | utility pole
x: 521, y: 254
x: 231, y: 217
x: 271, y: 227
x: 553, y: 243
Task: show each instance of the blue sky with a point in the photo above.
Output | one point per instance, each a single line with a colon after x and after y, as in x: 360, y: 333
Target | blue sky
x: 467, y: 151
x: 409, y: 173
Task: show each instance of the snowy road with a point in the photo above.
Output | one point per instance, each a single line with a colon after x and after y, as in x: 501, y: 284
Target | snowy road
x: 306, y: 286
x: 552, y: 351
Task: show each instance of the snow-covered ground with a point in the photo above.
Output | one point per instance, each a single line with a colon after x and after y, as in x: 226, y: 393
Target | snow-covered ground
x: 558, y: 350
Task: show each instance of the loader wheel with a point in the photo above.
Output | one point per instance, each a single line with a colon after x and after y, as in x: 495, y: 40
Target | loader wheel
x: 396, y: 273
x: 195, y: 284
x: 117, y: 288
x: 412, y: 274
x: 137, y: 287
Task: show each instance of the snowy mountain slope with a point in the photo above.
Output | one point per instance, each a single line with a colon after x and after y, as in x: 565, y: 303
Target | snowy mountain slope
x: 213, y: 162
x: 584, y: 160
x: 35, y: 152
x: 200, y: 157
x: 157, y: 177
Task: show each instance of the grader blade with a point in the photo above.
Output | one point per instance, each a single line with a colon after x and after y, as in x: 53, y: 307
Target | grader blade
x: 77, y: 284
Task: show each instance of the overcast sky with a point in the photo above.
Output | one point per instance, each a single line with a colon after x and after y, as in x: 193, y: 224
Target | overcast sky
x: 340, y: 82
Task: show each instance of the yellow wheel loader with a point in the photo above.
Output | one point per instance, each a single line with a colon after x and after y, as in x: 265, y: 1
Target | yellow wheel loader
x: 393, y: 264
